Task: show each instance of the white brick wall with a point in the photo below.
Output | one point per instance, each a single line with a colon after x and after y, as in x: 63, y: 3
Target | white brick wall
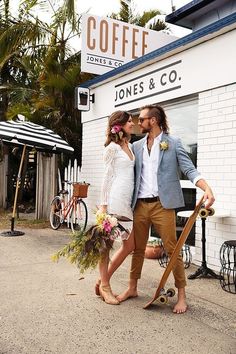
x: 217, y: 163
x: 94, y: 135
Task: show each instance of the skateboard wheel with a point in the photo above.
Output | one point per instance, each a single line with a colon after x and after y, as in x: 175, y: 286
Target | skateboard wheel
x: 203, y: 213
x: 211, y: 211
x: 170, y: 292
x: 162, y: 299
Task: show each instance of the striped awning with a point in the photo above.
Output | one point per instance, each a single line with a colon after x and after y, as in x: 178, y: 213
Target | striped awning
x: 33, y: 135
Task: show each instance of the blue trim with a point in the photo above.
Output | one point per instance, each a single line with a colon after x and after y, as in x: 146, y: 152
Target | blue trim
x: 202, y: 32
x: 186, y: 10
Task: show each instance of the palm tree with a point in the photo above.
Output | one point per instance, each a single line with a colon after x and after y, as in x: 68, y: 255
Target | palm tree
x: 39, y: 69
x: 127, y: 14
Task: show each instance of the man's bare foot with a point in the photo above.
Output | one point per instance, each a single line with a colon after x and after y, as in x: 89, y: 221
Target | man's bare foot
x: 129, y: 293
x: 181, y: 305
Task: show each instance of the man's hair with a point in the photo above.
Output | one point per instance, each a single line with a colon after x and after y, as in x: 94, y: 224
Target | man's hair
x: 156, y: 111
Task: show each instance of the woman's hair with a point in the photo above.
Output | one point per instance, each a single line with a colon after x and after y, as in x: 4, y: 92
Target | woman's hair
x: 115, y: 131
x: 154, y: 110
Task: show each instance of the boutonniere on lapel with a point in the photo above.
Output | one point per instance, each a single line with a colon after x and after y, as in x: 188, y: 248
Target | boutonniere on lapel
x: 164, y: 145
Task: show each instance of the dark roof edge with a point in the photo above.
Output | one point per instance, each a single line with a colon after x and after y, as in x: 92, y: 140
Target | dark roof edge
x: 186, y: 10
x: 202, y: 32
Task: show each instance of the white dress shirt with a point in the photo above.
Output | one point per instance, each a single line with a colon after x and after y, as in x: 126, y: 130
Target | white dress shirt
x: 149, y: 184
x: 149, y: 181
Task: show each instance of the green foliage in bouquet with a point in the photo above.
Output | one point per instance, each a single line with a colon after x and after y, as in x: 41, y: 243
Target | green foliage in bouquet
x: 87, y: 247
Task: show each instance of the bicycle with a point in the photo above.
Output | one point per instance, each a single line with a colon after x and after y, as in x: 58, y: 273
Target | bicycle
x: 74, y: 210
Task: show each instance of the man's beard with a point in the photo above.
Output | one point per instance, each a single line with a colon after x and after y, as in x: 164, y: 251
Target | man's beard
x: 146, y: 130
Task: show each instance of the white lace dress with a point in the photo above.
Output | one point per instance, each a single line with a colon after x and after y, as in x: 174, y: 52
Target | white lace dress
x: 118, y: 183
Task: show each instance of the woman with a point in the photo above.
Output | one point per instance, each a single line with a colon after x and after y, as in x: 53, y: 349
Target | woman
x: 116, y: 195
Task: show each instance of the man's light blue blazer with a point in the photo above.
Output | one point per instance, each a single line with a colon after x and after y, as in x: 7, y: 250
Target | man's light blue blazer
x: 171, y: 160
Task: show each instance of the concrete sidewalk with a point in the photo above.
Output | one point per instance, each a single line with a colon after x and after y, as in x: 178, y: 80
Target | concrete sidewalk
x: 50, y: 308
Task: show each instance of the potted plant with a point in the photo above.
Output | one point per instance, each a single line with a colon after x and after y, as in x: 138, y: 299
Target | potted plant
x: 154, y: 249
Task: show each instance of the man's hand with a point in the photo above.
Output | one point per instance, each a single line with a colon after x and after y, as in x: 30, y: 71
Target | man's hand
x: 208, y: 194
x: 208, y: 198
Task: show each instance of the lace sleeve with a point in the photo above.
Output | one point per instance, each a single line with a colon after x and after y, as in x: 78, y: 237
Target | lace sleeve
x: 109, y: 155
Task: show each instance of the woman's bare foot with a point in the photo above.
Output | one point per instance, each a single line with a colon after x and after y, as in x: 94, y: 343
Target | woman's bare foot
x: 181, y: 305
x: 129, y: 293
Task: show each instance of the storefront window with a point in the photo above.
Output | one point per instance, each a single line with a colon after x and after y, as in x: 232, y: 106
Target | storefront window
x: 182, y: 118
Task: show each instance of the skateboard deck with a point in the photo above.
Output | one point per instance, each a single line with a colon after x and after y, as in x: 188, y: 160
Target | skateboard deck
x: 160, y: 293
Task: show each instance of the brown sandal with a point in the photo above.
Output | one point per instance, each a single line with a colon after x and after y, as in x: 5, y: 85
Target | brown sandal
x: 96, y: 288
x: 107, y: 296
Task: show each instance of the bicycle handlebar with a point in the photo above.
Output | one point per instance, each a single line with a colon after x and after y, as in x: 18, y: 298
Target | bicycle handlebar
x: 64, y: 191
x: 67, y: 181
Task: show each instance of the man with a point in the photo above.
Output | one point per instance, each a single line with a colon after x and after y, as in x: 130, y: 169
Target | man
x: 158, y: 159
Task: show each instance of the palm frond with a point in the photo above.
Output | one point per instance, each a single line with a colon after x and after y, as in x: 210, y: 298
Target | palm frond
x: 18, y: 37
x: 28, y: 8
x: 146, y: 17
x: 66, y: 19
x: 127, y: 14
x: 20, y: 108
x: 158, y: 25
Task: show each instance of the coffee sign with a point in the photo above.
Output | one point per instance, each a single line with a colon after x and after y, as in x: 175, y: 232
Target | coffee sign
x: 108, y: 44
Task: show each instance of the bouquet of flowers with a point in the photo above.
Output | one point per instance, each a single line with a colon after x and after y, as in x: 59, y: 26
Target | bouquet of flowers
x: 87, y: 247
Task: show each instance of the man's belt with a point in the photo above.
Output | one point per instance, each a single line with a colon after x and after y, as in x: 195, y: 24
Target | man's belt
x: 149, y: 200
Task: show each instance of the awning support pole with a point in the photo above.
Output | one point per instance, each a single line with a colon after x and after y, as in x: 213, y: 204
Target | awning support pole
x: 17, y: 188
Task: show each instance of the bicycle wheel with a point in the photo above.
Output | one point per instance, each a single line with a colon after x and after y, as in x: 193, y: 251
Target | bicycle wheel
x: 79, y: 216
x: 55, y: 213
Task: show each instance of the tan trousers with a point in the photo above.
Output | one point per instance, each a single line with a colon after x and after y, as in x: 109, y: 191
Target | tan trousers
x: 164, y: 223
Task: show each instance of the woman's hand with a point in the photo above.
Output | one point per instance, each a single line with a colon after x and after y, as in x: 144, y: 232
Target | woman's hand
x: 102, y: 209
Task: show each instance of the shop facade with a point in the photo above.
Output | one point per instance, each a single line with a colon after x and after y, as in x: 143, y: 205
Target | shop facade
x: 194, y: 79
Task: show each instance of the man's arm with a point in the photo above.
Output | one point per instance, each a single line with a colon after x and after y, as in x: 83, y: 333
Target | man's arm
x: 192, y: 173
x: 208, y: 194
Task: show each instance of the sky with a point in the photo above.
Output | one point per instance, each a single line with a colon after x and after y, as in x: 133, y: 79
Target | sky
x: 94, y: 7
x: 140, y: 5
x: 165, y: 6
x: 106, y: 7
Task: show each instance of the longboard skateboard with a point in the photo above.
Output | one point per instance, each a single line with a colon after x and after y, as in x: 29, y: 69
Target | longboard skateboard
x: 161, y: 295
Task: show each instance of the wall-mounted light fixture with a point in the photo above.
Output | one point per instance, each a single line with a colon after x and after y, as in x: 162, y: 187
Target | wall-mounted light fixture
x: 83, y: 98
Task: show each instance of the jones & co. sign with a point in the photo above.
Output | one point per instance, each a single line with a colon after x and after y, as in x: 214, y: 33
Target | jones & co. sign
x: 108, y: 44
x: 157, y: 82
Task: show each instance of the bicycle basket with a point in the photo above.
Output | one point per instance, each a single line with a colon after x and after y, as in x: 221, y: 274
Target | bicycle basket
x: 80, y: 190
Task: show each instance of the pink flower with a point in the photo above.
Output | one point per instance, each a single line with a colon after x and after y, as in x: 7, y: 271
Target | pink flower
x: 112, y: 220
x: 107, y: 226
x: 116, y: 129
